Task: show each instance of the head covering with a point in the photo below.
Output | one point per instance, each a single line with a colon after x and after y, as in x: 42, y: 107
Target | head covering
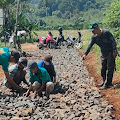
x: 31, y: 65
x: 49, y: 33
x: 60, y: 29
x: 47, y: 59
x: 92, y: 26
x: 16, y: 55
x: 23, y: 61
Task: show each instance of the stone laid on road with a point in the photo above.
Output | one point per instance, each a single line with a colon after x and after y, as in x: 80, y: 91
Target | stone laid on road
x: 75, y: 96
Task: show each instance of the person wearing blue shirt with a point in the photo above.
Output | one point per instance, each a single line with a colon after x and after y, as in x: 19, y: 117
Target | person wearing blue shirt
x: 49, y: 66
x: 5, y: 57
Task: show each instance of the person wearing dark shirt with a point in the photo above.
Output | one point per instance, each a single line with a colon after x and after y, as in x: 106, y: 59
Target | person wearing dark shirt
x: 17, y: 73
x: 49, y: 66
x: 61, y: 36
x: 105, y: 40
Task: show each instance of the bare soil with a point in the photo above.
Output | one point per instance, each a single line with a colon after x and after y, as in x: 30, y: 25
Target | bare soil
x: 112, y: 95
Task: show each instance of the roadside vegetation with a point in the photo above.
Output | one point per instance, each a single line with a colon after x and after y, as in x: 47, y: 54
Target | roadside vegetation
x: 38, y: 17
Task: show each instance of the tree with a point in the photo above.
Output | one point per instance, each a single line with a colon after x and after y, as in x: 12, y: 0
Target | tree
x: 57, y: 13
x: 18, y: 19
x: 112, y: 17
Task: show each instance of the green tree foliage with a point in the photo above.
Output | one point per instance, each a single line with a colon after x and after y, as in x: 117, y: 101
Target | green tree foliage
x: 57, y: 13
x: 112, y: 17
x: 75, y: 13
x: 9, y: 7
x: 41, y: 12
x: 71, y: 5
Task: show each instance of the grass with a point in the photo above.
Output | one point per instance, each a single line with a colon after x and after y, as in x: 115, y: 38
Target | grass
x: 22, y: 40
x: 118, y: 64
x: 117, y: 91
x: 2, y: 44
x: 56, y: 33
x: 85, y: 35
x: 85, y: 38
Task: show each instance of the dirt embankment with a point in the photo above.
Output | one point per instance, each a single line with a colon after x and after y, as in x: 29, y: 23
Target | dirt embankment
x: 113, y: 94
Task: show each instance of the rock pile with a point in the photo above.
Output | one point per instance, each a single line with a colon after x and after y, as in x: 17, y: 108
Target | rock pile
x: 75, y: 96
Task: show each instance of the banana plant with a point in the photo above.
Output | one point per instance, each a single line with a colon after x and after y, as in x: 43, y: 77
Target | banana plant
x: 25, y: 24
x: 13, y: 19
x: 9, y: 7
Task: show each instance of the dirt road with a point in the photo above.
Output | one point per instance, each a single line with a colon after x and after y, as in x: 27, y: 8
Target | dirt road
x: 75, y: 96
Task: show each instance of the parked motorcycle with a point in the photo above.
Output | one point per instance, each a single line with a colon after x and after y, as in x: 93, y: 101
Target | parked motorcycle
x: 71, y: 41
x: 49, y: 42
x: 78, y: 42
x: 74, y: 42
x: 61, y: 42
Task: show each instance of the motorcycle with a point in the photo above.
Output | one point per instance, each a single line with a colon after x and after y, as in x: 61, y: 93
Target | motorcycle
x: 74, y: 42
x: 78, y: 42
x: 70, y: 40
x: 61, y: 42
x: 49, y: 42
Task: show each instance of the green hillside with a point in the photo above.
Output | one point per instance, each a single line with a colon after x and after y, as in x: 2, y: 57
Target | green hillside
x: 50, y: 14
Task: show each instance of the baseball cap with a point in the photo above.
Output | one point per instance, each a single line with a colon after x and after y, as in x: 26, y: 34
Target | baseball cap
x: 23, y: 61
x: 16, y: 55
x: 31, y: 65
x: 47, y: 59
x: 92, y: 26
